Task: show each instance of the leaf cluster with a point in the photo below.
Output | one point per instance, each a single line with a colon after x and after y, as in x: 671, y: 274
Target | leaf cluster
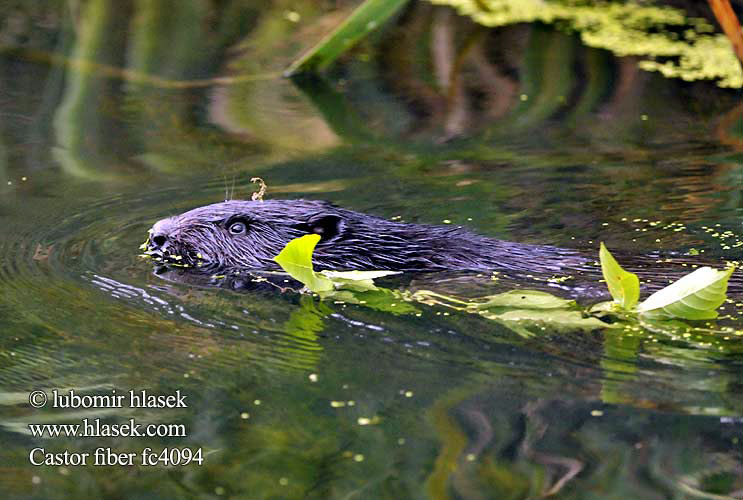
x: 696, y: 296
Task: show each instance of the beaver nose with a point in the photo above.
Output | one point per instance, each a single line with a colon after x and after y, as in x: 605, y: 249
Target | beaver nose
x: 159, y: 240
x: 160, y: 233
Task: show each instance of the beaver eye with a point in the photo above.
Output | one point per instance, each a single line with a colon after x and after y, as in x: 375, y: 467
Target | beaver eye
x: 237, y: 228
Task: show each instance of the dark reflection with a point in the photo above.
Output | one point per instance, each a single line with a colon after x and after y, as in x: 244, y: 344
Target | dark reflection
x: 518, y: 449
x: 241, y: 281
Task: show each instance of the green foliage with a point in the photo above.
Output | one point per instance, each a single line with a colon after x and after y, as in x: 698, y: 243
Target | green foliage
x: 296, y: 259
x: 529, y: 299
x: 624, y: 286
x: 534, y: 308
x: 365, y: 19
x: 695, y: 296
x: 520, y: 310
x: 526, y: 312
x: 360, y: 281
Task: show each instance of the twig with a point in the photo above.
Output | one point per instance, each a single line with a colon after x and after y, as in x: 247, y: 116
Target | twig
x: 258, y: 196
x: 730, y: 25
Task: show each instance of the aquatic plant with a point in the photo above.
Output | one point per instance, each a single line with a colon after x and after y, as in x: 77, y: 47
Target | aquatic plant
x: 696, y: 296
x: 365, y: 19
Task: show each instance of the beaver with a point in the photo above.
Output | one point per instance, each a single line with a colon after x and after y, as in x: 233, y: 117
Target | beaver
x: 238, y: 234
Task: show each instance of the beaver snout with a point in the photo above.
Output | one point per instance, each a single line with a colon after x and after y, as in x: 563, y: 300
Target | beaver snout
x: 160, y: 235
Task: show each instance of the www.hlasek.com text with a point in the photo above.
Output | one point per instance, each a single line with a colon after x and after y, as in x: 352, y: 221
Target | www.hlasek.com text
x: 95, y: 428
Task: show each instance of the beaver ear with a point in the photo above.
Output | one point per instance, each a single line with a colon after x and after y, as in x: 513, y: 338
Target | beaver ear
x: 327, y: 226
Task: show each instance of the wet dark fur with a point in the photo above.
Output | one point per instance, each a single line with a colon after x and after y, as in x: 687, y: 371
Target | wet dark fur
x: 350, y: 240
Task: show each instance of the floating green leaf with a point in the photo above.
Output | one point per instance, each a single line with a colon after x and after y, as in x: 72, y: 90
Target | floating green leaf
x: 296, y: 259
x: 624, y: 286
x: 380, y: 299
x: 357, y: 275
x: 356, y: 280
x: 365, y: 19
x: 523, y: 299
x: 526, y: 312
x: 695, y: 296
x: 555, y: 319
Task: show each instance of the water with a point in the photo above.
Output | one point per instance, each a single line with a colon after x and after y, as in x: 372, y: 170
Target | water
x: 291, y: 397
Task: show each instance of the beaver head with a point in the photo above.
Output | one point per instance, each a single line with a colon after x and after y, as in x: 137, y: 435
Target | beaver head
x: 248, y: 234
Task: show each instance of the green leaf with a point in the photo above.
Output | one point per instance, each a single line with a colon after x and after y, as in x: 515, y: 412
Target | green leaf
x: 695, y: 296
x: 365, y: 19
x: 296, y: 259
x: 526, y: 312
x: 624, y: 286
x: 357, y: 275
x: 356, y: 280
x: 380, y: 299
x: 523, y: 299
x: 608, y: 306
x: 608, y: 312
x: 555, y: 320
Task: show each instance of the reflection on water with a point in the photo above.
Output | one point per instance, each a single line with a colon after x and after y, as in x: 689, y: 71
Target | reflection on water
x: 115, y: 115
